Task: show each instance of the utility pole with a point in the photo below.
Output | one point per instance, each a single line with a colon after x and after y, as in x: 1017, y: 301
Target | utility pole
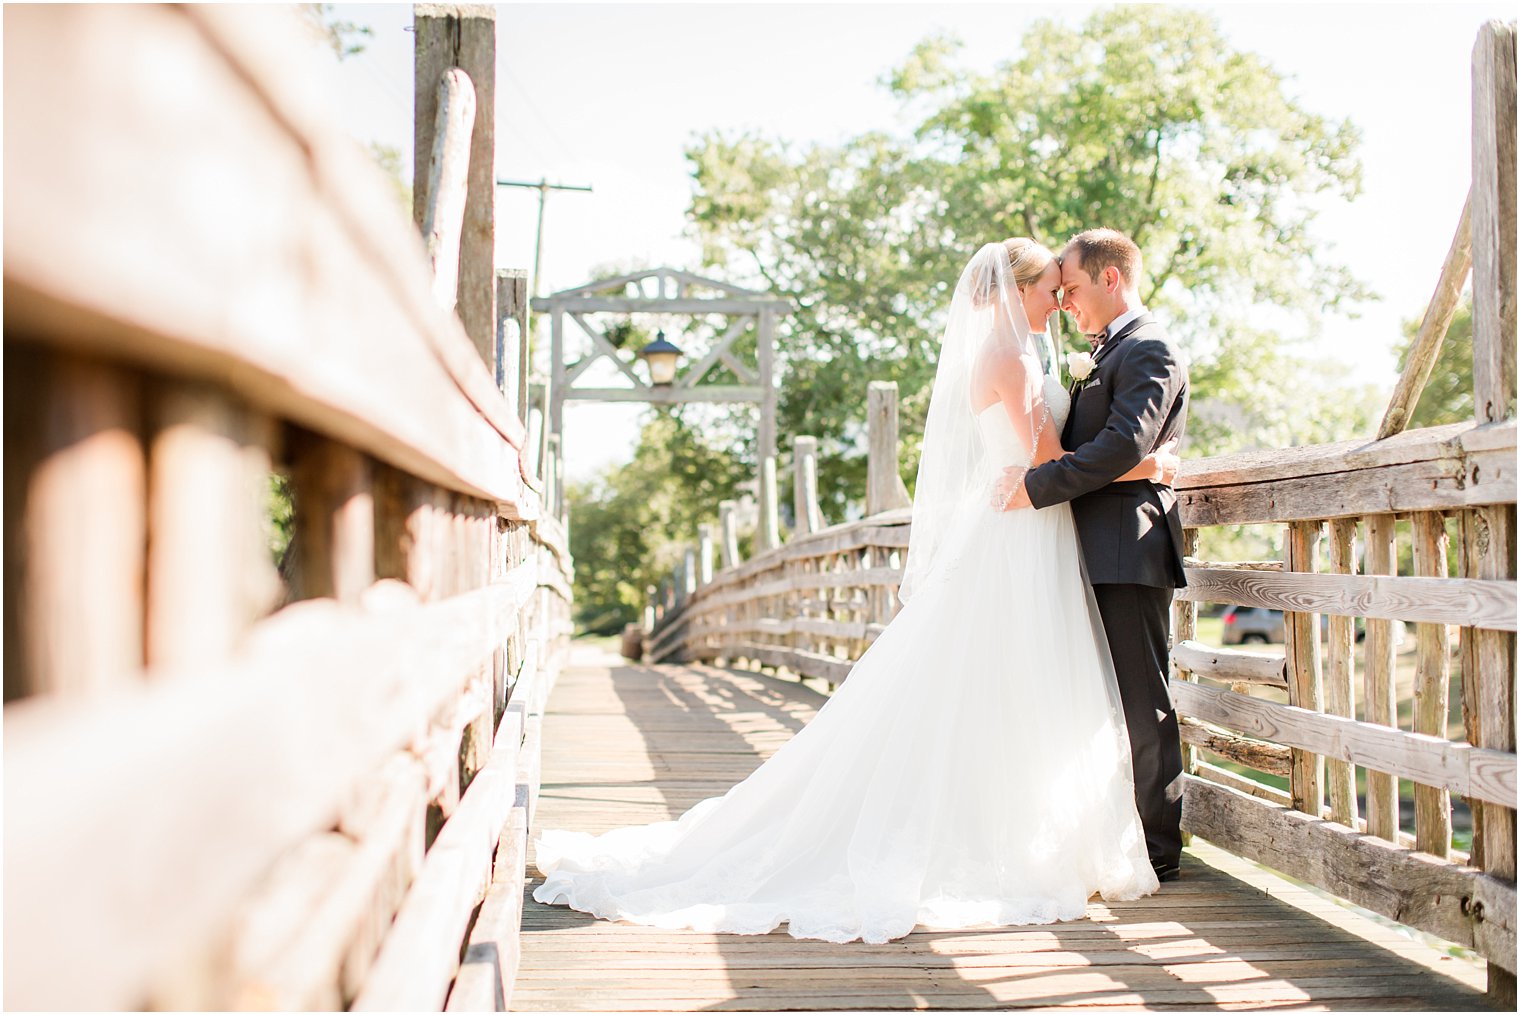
x: 543, y: 187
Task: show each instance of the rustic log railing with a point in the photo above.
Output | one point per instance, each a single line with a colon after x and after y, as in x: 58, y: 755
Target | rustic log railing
x: 812, y: 606
x: 225, y: 789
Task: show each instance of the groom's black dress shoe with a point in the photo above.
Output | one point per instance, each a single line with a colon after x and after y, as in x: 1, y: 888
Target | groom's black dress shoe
x: 1167, y: 871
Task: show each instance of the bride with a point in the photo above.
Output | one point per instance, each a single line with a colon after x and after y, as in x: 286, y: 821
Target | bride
x: 974, y: 769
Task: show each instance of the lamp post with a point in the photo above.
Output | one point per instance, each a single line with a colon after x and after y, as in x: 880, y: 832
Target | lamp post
x: 661, y: 357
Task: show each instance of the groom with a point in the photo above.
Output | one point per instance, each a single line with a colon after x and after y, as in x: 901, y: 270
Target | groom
x: 1134, y: 400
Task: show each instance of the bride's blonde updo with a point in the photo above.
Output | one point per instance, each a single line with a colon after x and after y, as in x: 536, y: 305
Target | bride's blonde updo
x: 1027, y: 261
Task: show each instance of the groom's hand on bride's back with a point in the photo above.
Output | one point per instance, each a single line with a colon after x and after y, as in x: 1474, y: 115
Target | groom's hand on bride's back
x: 1167, y: 463
x: 1008, y: 494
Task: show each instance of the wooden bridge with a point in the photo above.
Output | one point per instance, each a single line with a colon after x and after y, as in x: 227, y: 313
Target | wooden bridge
x: 627, y: 743
x: 307, y: 779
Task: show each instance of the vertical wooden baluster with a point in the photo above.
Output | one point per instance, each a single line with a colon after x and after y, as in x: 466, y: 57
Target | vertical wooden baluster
x: 1185, y: 628
x: 1381, y: 705
x: 1341, y: 679
x: 209, y: 571
x: 1305, y: 678
x: 76, y: 504
x: 335, y: 519
x: 1467, y: 655
x: 1432, y: 687
x: 1495, y: 543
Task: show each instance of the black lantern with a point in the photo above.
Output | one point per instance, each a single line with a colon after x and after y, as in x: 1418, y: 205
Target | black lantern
x: 661, y: 357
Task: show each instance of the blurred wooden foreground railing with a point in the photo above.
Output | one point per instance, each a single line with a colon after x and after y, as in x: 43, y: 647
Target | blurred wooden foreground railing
x: 214, y: 800
x: 812, y: 606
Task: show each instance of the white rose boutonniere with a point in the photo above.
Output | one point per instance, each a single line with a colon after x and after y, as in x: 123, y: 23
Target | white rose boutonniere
x: 1080, y: 366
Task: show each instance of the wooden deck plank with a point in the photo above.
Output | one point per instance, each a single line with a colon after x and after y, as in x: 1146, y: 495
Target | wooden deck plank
x: 626, y: 743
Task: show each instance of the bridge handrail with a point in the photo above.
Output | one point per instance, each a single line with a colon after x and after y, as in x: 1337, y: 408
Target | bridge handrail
x: 223, y: 800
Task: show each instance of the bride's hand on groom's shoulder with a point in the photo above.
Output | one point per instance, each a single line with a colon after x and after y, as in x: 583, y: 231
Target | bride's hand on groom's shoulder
x: 1008, y: 493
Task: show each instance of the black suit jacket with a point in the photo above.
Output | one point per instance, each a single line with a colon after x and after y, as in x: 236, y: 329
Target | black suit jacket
x: 1135, y: 400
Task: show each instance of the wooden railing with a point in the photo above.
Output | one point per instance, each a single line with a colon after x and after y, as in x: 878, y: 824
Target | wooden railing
x: 810, y: 608
x: 226, y: 786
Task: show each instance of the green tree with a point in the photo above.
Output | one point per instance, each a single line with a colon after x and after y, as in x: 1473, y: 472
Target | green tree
x: 631, y: 525
x: 1448, y: 394
x: 388, y: 158
x: 343, y: 37
x: 1143, y: 118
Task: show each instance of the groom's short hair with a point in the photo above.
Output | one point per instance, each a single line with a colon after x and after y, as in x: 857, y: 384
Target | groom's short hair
x: 1097, y: 249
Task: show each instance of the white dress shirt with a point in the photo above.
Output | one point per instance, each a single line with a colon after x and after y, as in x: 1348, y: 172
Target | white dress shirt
x: 1118, y: 323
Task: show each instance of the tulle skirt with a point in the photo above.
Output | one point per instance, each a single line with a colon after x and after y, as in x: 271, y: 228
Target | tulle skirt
x: 973, y: 770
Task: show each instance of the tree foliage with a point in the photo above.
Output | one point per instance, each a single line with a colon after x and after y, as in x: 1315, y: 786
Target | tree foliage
x: 343, y: 37
x: 1448, y: 394
x: 1144, y: 119
x: 631, y: 526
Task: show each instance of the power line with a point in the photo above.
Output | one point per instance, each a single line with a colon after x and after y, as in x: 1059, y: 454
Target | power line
x: 543, y: 187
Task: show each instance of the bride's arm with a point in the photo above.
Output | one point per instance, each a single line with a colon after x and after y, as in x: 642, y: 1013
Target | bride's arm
x: 1018, y: 383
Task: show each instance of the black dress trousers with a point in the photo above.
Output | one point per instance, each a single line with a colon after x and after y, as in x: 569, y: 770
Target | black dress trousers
x: 1136, y: 619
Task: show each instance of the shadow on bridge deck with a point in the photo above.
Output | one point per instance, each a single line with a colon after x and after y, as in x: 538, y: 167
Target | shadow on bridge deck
x: 625, y: 744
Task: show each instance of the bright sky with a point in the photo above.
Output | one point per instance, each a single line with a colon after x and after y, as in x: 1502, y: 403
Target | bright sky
x: 609, y: 95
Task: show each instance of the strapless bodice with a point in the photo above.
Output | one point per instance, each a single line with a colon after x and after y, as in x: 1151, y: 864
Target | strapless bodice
x: 1005, y: 445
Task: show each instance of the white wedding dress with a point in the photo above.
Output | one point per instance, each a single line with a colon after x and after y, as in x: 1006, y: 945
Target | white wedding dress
x: 973, y: 769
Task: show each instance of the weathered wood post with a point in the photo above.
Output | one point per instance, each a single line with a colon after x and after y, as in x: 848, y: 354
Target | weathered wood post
x: 447, y: 185
x: 765, y: 360
x: 561, y: 508
x: 335, y: 519
x: 885, y: 490
x: 1340, y: 681
x: 553, y: 471
x: 1432, y: 687
x: 549, y: 508
x: 689, y: 573
x: 76, y: 564
x: 1380, y: 703
x: 705, y: 555
x: 512, y: 351
x: 1493, y: 225
x: 462, y: 36
x: 209, y: 572
x: 1305, y: 678
x: 1493, y: 221
x: 809, y: 517
x: 768, y: 534
x: 728, y: 526
x: 540, y: 444
x: 1185, y: 628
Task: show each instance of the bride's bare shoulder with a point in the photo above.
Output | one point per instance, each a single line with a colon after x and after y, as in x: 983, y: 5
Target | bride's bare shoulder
x: 1002, y: 360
